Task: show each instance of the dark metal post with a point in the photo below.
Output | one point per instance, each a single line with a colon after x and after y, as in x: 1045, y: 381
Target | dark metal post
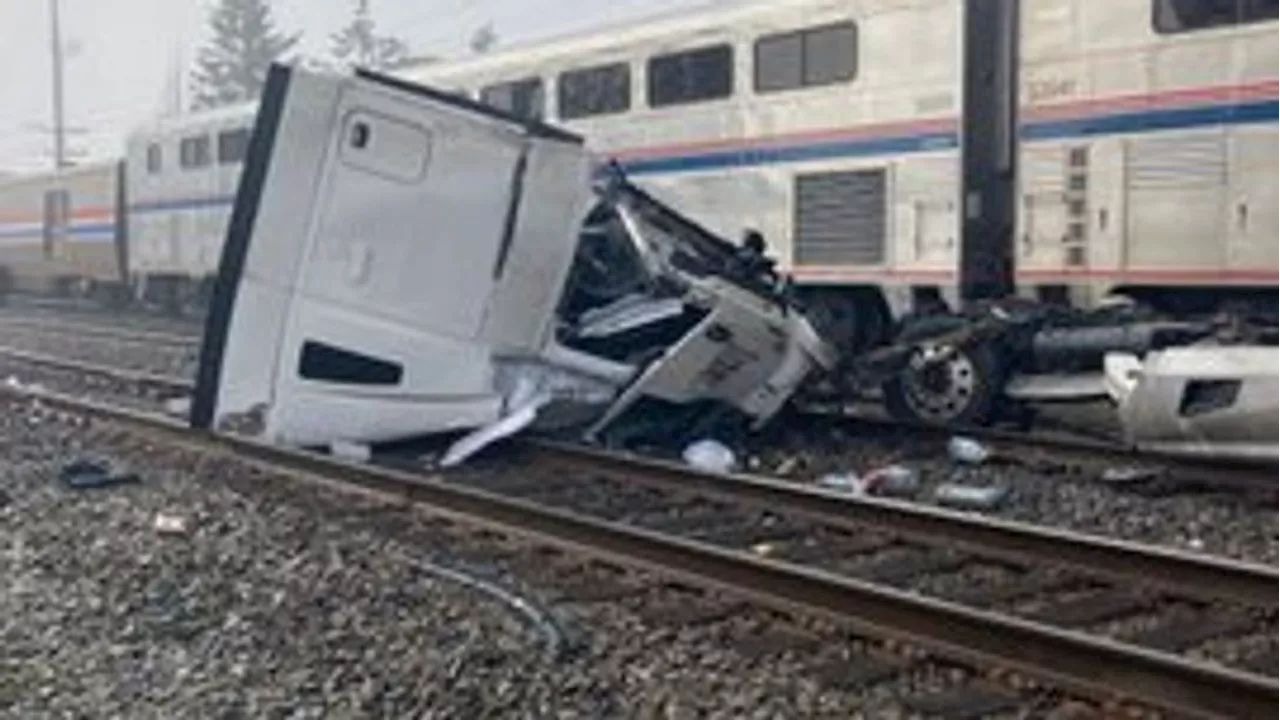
x: 59, y: 128
x: 989, y: 131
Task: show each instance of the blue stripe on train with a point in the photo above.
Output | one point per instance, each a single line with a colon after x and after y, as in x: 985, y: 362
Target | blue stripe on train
x: 749, y: 156
x: 1129, y: 122
x: 793, y: 153
x: 77, y: 230
x: 1150, y: 120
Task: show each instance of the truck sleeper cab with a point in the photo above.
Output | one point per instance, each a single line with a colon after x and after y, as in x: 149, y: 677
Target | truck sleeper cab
x: 429, y: 288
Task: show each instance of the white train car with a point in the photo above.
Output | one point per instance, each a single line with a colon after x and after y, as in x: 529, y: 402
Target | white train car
x: 61, y: 232
x: 182, y: 178
x: 1074, y: 148
x: 896, y: 154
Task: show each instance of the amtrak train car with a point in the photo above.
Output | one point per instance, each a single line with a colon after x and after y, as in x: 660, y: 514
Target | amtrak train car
x: 182, y: 177
x: 1073, y: 148
x: 63, y: 233
x: 897, y: 155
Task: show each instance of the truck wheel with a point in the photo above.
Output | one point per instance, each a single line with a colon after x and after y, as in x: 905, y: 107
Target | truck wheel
x: 961, y: 390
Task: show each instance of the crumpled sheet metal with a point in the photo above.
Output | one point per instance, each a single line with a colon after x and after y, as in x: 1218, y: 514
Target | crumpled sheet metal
x: 1218, y: 403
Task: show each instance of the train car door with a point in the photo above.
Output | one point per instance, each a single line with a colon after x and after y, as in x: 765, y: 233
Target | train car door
x: 1053, y: 166
x: 1252, y: 148
x: 1252, y: 214
x: 57, y: 215
x: 1176, y: 177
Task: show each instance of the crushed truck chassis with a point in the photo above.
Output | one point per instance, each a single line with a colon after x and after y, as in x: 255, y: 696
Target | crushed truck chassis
x: 1203, y: 388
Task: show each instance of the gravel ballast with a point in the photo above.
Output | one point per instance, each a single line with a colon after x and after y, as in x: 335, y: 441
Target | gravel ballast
x: 154, y: 358
x: 1044, y: 491
x: 259, y: 596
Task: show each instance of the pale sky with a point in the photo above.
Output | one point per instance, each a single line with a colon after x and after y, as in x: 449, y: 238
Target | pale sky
x: 122, y: 53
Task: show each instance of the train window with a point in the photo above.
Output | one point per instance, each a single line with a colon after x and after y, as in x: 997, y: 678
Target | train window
x: 691, y: 76
x: 233, y: 145
x: 522, y: 98
x: 1178, y: 16
x: 155, y: 159
x: 193, y: 152
x: 600, y: 90
x: 780, y: 62
x: 806, y: 58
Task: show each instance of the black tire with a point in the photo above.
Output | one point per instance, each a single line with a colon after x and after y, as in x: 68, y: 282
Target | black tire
x: 967, y: 392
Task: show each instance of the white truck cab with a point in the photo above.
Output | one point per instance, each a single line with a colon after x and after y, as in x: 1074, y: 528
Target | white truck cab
x: 401, y: 261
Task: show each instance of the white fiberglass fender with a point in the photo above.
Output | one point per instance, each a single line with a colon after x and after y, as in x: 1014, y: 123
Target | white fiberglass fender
x: 746, y: 353
x: 390, y: 247
x: 1213, y: 402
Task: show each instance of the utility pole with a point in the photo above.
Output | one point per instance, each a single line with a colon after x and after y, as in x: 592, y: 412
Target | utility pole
x: 59, y: 128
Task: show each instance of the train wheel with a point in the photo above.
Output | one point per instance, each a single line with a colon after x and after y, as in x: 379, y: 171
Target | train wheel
x: 962, y: 389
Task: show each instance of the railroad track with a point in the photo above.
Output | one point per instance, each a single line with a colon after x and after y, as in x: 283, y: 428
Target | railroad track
x: 1257, y: 480
x: 101, y: 332
x: 26, y: 307
x: 596, y: 504
x: 140, y: 390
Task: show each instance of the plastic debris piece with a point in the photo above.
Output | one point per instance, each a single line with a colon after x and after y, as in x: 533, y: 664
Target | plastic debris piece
x: 968, y: 451
x: 969, y: 497
x: 519, y: 418
x: 845, y: 482
x: 788, y: 465
x: 1129, y: 474
x: 711, y: 456
x: 763, y: 549
x: 893, y: 481
x: 360, y: 452
x: 86, y: 474
x: 167, y: 524
x: 558, y: 643
x: 178, y: 406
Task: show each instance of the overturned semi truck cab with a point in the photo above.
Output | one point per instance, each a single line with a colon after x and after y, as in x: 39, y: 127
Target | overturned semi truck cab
x: 401, y: 262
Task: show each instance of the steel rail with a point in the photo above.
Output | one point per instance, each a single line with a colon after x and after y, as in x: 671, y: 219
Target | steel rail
x: 1098, y: 667
x: 1197, y: 575
x: 86, y: 330
x: 1180, y: 468
x: 165, y: 382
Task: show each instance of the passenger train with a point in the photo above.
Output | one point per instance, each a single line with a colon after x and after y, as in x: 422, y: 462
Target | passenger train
x: 897, y: 155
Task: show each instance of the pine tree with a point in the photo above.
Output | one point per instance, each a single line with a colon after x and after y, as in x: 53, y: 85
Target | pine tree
x: 358, y: 43
x: 233, y: 66
x: 483, y: 39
